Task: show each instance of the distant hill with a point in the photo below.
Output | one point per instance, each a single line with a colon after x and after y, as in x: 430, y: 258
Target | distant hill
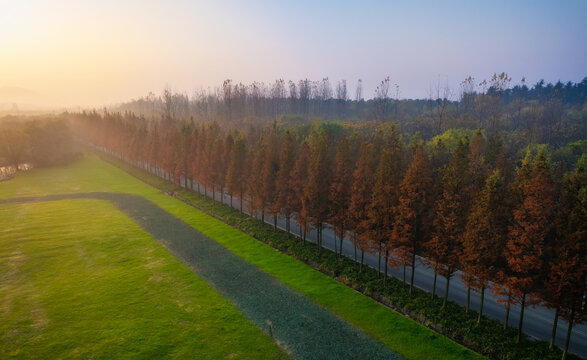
x: 15, y: 93
x: 18, y: 100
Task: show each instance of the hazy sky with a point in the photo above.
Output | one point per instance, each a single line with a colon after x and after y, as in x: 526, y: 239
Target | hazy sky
x: 102, y: 52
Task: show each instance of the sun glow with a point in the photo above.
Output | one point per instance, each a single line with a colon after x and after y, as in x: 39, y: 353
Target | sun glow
x: 101, y: 52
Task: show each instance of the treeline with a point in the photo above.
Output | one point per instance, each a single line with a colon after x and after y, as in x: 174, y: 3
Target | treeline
x: 543, y: 113
x: 35, y: 142
x: 519, y: 231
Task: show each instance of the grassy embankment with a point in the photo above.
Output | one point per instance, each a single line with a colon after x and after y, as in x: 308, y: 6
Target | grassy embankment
x: 399, y: 333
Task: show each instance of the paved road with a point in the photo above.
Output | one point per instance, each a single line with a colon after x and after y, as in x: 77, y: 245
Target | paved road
x: 538, y: 321
x: 301, y: 327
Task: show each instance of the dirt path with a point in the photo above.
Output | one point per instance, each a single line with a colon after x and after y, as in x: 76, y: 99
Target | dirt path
x: 301, y: 327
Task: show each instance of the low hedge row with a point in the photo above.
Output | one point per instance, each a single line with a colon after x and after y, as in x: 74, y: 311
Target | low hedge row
x: 488, y: 338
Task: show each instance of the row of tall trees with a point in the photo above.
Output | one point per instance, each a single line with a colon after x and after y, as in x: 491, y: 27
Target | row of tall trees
x: 520, y: 232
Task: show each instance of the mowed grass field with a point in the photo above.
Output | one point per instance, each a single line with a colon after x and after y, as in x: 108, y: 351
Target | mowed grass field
x: 78, y: 279
x: 399, y: 333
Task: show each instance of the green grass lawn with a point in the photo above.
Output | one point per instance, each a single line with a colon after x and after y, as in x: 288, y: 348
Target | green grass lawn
x: 401, y: 334
x: 78, y: 279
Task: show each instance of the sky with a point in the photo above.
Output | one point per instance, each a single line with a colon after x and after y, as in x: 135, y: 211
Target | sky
x: 82, y: 52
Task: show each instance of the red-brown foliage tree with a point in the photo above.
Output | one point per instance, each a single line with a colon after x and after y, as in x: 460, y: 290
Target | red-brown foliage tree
x: 285, y: 196
x: 450, y: 214
x: 297, y: 186
x: 340, y: 191
x: 485, y: 235
x: 529, y: 232
x: 384, y: 198
x: 236, y: 173
x: 567, y: 275
x: 256, y: 193
x: 411, y: 212
x: 476, y: 177
x: 363, y: 179
x: 316, y: 190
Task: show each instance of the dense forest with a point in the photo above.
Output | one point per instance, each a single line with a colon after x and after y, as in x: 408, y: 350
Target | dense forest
x: 542, y: 113
x: 493, y: 184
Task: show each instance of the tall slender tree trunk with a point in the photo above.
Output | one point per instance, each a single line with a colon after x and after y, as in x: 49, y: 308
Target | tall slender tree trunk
x: 446, y: 293
x: 481, y: 306
x: 362, y: 257
x: 434, y: 284
x: 404, y: 277
x: 274, y: 222
x: 231, y: 201
x: 507, y: 314
x: 569, y: 331
x: 521, y: 323
x: 554, y: 325
x: 319, y: 239
x: 379, y: 263
x: 468, y: 299
x: 413, y: 272
x: 385, y: 275
x: 340, y: 247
